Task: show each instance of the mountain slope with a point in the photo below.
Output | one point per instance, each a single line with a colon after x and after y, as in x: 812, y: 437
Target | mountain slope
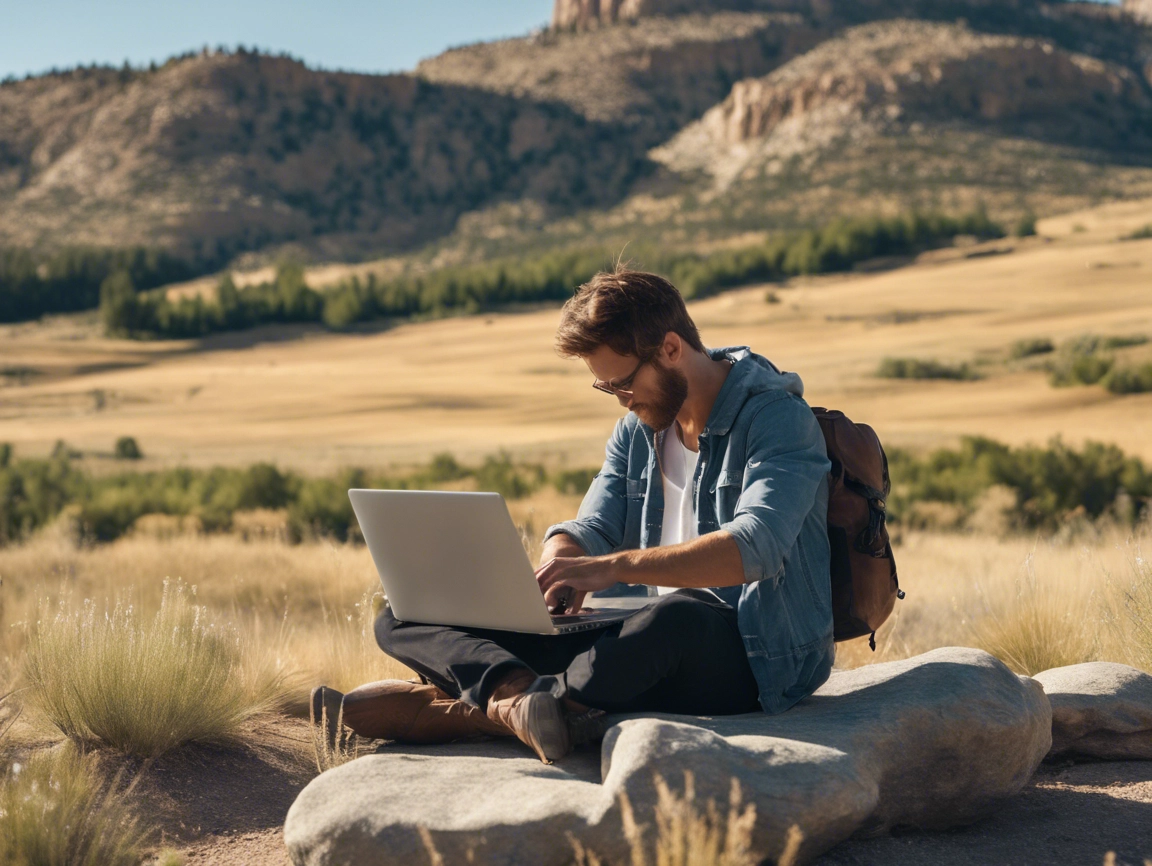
x: 214, y: 154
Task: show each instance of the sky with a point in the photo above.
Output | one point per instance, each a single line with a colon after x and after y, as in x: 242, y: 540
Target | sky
x: 355, y: 35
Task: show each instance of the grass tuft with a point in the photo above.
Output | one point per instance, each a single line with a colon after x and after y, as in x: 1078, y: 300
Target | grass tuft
x: 54, y: 811
x: 1038, y: 628
x: 145, y: 686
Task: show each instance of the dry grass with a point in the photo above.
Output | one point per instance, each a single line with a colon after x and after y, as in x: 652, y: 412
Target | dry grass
x: 473, y: 385
x: 143, y: 685
x: 55, y: 810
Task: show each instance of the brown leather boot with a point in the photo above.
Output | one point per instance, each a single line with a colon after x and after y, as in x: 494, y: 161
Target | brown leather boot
x: 411, y: 712
x: 539, y: 720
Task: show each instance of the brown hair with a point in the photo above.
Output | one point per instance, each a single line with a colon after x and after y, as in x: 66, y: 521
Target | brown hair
x: 628, y: 311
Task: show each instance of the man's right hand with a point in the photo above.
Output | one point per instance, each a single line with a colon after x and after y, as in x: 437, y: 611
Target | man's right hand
x: 561, y: 545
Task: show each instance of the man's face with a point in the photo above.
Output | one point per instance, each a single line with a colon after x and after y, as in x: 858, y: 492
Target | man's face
x: 658, y: 389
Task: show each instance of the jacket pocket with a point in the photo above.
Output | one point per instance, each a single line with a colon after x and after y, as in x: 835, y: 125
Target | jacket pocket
x: 727, y: 489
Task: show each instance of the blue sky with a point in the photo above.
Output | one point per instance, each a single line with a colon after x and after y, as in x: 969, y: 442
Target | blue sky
x: 381, y: 36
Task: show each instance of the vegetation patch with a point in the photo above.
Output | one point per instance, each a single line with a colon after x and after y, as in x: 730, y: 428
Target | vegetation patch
x: 141, y: 686
x: 1142, y: 233
x: 918, y: 368
x: 1089, y: 360
x: 56, y: 810
x: 1030, y: 347
x: 550, y: 276
x: 1047, y: 486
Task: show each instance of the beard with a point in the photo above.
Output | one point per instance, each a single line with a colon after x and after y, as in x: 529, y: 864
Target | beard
x: 660, y: 412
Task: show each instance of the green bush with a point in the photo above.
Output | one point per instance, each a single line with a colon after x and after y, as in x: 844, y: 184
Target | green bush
x: 573, y: 481
x: 1049, y: 483
x: 917, y: 368
x: 127, y: 449
x: 1025, y: 226
x: 1029, y: 347
x: 1129, y: 380
x: 499, y: 474
x: 1140, y: 234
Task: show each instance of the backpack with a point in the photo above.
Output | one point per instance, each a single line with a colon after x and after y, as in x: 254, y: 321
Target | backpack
x: 864, y: 584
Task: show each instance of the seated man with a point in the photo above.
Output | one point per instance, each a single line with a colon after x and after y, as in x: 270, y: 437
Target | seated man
x: 713, y: 499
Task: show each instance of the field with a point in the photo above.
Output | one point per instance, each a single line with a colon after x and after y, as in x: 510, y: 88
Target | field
x: 314, y: 401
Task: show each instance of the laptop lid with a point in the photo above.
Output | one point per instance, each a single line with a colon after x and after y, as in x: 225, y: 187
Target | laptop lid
x: 451, y: 558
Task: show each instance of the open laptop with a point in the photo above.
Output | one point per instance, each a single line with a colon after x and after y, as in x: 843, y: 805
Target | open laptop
x: 451, y: 558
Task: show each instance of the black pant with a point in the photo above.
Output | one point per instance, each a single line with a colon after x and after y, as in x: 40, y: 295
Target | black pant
x: 681, y: 654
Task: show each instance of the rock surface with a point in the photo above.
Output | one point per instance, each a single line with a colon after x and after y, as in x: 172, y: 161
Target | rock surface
x: 881, y: 77
x: 1100, y: 710
x: 931, y: 742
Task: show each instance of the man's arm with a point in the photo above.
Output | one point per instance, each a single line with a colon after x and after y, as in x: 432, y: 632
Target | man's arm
x: 710, y: 560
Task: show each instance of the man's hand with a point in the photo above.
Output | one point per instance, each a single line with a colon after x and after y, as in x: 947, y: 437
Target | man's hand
x: 565, y: 580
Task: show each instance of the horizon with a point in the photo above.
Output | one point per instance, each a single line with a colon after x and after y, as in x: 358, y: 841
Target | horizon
x: 64, y: 34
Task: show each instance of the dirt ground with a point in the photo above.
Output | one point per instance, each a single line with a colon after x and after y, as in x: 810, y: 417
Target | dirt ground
x: 226, y: 807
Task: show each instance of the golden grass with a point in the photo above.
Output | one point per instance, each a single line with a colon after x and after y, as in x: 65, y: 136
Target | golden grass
x: 476, y: 384
x: 143, y: 685
x: 56, y: 811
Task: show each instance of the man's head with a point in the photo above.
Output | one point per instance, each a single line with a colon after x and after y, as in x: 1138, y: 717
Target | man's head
x: 633, y: 331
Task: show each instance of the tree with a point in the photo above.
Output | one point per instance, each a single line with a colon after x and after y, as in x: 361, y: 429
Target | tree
x: 127, y: 449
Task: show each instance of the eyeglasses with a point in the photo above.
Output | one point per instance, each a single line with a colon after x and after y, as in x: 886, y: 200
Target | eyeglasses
x: 621, y: 390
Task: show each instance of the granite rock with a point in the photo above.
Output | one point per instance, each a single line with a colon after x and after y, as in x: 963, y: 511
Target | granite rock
x: 930, y: 742
x: 1100, y: 710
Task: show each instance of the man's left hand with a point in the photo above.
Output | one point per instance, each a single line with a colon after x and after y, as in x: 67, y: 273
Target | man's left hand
x: 574, y: 576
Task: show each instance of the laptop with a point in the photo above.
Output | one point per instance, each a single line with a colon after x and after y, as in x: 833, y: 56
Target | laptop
x: 454, y: 558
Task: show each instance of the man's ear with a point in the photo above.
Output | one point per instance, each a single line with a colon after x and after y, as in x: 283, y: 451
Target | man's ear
x: 673, y: 347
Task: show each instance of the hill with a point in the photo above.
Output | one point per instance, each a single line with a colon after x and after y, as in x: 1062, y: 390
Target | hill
x: 681, y: 123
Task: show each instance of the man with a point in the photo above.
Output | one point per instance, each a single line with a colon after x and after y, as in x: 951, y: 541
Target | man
x: 713, y: 497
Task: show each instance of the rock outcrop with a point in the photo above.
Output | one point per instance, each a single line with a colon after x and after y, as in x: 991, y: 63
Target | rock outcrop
x: 881, y: 76
x: 1141, y: 10
x: 1100, y: 710
x: 931, y: 742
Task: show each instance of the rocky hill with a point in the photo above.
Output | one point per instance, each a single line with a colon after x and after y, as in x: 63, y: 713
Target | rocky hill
x: 217, y: 153
x: 625, y: 119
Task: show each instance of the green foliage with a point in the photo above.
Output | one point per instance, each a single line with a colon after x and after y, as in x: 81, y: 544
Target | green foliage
x: 34, y: 283
x: 127, y: 449
x: 548, y: 276
x: 5, y: 454
x: 1142, y: 233
x: 1048, y: 483
x: 918, y: 368
x: 1086, y: 360
x: 573, y: 481
x: 143, y: 686
x: 499, y: 474
x: 1129, y: 380
x: 56, y: 811
x: 1025, y: 226
x: 1029, y: 347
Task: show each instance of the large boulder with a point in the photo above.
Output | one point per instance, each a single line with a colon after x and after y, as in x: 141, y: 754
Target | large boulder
x: 930, y: 742
x: 1100, y: 710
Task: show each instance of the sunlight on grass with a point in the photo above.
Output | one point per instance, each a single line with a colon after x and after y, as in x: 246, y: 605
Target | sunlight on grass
x: 144, y: 686
x: 54, y: 811
x: 1040, y: 627
x: 688, y: 835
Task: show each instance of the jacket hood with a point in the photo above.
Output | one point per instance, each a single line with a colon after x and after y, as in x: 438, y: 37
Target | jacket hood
x: 751, y: 374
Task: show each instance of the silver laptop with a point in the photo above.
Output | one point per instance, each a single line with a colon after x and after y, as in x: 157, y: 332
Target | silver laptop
x: 452, y: 558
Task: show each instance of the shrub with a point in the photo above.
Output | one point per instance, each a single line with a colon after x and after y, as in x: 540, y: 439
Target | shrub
x: 140, y: 686
x: 499, y: 475
x: 55, y: 811
x: 1129, y: 380
x: 1142, y: 233
x: 915, y: 368
x: 1025, y: 226
x: 573, y: 481
x: 127, y: 449
x: 1029, y: 347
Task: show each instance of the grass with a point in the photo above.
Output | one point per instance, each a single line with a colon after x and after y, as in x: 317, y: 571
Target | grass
x: 918, y: 368
x: 56, y: 811
x: 143, y: 686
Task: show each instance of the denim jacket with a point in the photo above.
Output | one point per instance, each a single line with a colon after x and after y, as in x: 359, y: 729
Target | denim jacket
x: 762, y: 476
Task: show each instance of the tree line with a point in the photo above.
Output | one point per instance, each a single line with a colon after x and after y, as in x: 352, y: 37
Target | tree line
x: 547, y: 276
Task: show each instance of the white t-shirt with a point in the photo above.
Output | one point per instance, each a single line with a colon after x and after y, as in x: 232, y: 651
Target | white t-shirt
x: 679, y: 508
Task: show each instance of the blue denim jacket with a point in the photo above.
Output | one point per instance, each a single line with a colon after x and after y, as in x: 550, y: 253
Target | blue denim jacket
x: 762, y: 476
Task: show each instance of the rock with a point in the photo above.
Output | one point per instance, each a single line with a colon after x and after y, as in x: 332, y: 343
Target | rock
x: 931, y: 742
x: 1141, y: 10
x: 1100, y: 710
x: 883, y: 77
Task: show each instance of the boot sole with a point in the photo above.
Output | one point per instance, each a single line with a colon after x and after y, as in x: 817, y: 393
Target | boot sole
x: 546, y: 726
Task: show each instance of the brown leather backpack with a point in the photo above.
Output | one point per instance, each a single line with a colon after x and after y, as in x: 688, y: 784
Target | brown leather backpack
x: 864, y: 584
